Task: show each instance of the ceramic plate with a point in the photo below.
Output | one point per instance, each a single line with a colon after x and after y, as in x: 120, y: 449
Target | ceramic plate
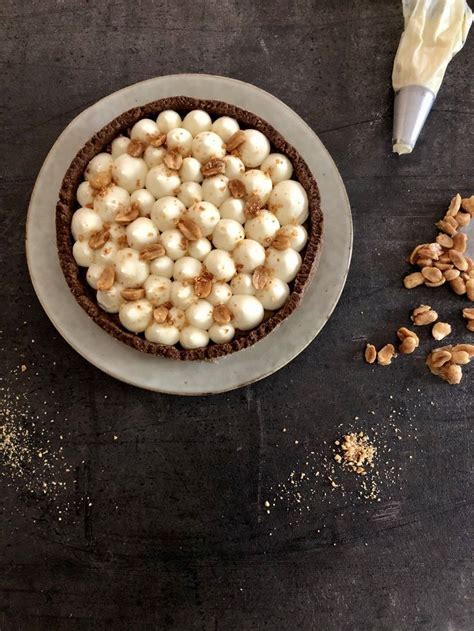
x: 164, y: 375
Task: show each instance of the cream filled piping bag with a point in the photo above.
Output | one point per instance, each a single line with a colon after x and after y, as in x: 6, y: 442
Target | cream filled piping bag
x: 435, y: 30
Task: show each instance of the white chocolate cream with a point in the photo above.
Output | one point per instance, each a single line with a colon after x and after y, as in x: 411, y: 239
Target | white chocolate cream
x: 166, y: 228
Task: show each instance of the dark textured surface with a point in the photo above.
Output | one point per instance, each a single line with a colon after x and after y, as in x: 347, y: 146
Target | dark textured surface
x: 163, y: 524
x: 67, y: 204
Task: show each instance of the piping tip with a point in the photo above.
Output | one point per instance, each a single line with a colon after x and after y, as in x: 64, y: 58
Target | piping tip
x: 411, y: 108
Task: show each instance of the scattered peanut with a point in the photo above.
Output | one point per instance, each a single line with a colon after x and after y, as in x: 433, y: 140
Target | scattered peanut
x: 423, y: 314
x: 440, y: 330
x: 386, y: 354
x: 370, y: 353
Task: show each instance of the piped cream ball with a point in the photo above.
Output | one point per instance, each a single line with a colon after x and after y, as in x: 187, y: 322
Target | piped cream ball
x: 110, y: 201
x: 174, y: 243
x: 85, y: 194
x: 200, y: 248
x: 190, y: 170
x: 157, y: 290
x: 154, y: 156
x: 189, y: 193
x: 248, y: 255
x: 93, y: 274
x: 227, y: 234
x: 274, y: 294
x: 85, y: 222
x: 197, y: 121
x: 119, y: 146
x: 254, y: 149
x: 246, y: 310
x: 220, y: 264
x: 177, y: 318
x: 242, y: 284
x: 129, y: 173
x: 141, y: 233
x: 278, y: 167
x: 168, y: 120
x: 220, y: 293
x: 284, y: 264
x: 215, y: 189
x: 182, y: 295
x: 199, y: 314
x: 162, y: 181
x: 296, y: 234
x: 83, y: 253
x: 262, y: 228
x: 186, y: 268
x: 106, y: 255
x: 205, y: 215
x: 144, y: 200
x: 234, y: 167
x: 233, y: 209
x: 111, y: 299
x: 179, y: 140
x: 144, y: 130
x: 207, y: 145
x: 162, y: 266
x: 289, y: 203
x: 101, y: 163
x: 117, y: 232
x: 162, y: 334
x: 166, y: 212
x: 192, y: 337
x: 129, y: 269
x: 136, y: 315
x: 225, y: 127
x: 258, y: 183
x: 221, y: 333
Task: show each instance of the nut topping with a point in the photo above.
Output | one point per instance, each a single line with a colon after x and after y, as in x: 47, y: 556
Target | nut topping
x: 106, y: 279
x: 160, y: 314
x: 152, y: 252
x: 235, y: 140
x: 213, y: 167
x: 128, y: 215
x: 99, y: 239
x: 253, y: 205
x: 260, y: 277
x: 101, y: 180
x: 281, y: 242
x: 158, y: 140
x: 222, y: 314
x: 454, y: 206
x: 203, y: 285
x: 173, y: 160
x: 237, y: 189
x: 130, y: 293
x: 190, y: 229
x: 432, y: 274
x: 135, y: 148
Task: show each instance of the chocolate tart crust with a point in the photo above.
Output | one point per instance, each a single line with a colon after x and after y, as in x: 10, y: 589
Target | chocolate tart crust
x: 67, y: 204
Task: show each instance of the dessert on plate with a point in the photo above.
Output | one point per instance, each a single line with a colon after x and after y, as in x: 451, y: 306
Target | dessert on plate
x: 188, y: 228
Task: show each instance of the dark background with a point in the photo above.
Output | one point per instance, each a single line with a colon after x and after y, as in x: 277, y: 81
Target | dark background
x: 161, y: 522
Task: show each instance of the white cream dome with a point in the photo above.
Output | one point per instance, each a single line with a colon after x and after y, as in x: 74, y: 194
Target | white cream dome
x: 136, y: 316
x: 254, y: 149
x: 289, y: 203
x: 247, y: 312
x: 129, y: 173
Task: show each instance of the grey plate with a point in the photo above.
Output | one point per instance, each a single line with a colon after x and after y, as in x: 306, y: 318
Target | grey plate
x: 155, y: 373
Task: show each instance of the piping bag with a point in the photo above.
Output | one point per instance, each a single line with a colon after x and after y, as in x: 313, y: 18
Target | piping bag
x: 435, y: 30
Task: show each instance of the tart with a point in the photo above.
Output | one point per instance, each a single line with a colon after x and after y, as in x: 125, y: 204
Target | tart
x: 188, y: 228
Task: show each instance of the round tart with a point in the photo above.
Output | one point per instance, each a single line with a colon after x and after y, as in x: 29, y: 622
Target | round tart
x: 188, y: 228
